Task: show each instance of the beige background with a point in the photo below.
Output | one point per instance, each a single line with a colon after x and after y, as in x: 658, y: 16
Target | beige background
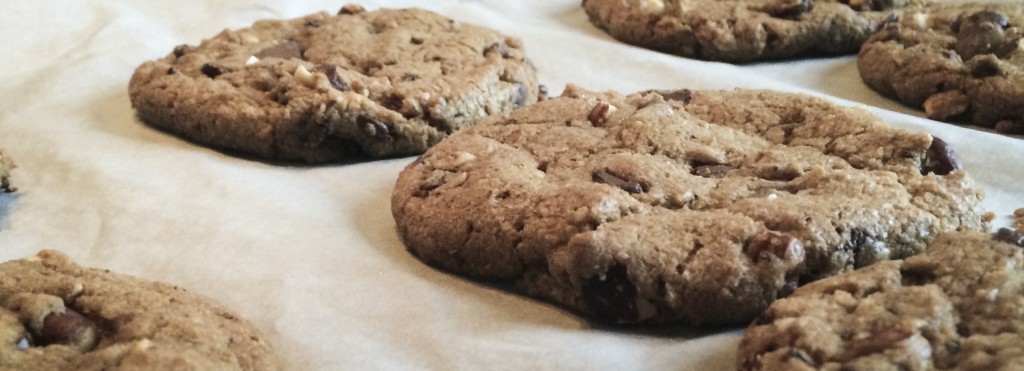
x: 309, y: 254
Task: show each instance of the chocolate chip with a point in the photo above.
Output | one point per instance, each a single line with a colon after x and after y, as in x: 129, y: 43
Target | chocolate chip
x: 172, y: 71
x: 612, y: 296
x: 916, y: 276
x: 788, y: 8
x: 69, y: 328
x: 520, y: 96
x: 990, y: 17
x: 415, y: 40
x: 599, y: 114
x: 313, y: 24
x: 855, y: 245
x: 682, y: 95
x: 985, y: 68
x: 940, y: 159
x: 374, y: 127
x: 982, y: 33
x: 1010, y: 236
x: 711, y: 171
x: 603, y: 176
x: 181, y: 50
x: 211, y: 71
x: 285, y: 50
x: 351, y: 9
x: 331, y: 71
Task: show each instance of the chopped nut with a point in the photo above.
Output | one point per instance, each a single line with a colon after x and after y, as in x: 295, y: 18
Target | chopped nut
x: 775, y: 243
x: 285, y: 50
x: 941, y: 106
x: 252, y: 60
x: 304, y: 76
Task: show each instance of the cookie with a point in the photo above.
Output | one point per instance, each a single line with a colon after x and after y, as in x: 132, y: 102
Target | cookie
x: 743, y: 30
x: 697, y: 207
x: 55, y: 315
x: 959, y: 63
x: 6, y: 165
x: 322, y: 88
x: 957, y: 306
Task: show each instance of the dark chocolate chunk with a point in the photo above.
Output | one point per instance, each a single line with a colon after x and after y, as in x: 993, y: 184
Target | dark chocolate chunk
x: 285, y: 50
x: 940, y: 159
x: 916, y: 276
x: 788, y: 8
x: 603, y: 176
x: 612, y: 296
x: 982, y: 34
x: 69, y: 328
x: 331, y: 71
x: 985, y: 68
x: 181, y: 50
x: 351, y: 9
x: 988, y: 16
x: 211, y: 71
x: 599, y: 114
x: 1010, y: 236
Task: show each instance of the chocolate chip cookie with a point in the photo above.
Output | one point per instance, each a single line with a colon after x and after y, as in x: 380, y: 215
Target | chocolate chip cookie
x: 698, y: 207
x: 957, y: 306
x: 335, y: 87
x: 6, y: 165
x: 743, y: 30
x: 960, y: 63
x: 55, y: 315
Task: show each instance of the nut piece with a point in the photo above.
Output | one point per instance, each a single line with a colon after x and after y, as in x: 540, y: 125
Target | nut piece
x: 351, y: 9
x: 68, y: 328
x: 600, y: 113
x: 612, y: 296
x: 778, y: 244
x: 304, y: 76
x: 941, y: 106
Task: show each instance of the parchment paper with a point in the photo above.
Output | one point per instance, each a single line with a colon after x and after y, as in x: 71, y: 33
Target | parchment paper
x: 309, y: 254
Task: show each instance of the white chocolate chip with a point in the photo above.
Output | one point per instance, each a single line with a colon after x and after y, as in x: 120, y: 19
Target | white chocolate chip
x: 772, y: 197
x: 252, y: 60
x: 921, y: 20
x: 304, y: 76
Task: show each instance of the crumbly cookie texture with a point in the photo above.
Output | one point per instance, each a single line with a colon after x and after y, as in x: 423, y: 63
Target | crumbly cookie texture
x: 743, y: 30
x: 6, y: 165
x: 55, y: 315
x: 335, y: 87
x: 959, y: 63
x: 957, y: 306
x: 698, y: 207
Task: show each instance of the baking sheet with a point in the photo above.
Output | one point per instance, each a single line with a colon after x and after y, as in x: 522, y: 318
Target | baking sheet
x: 309, y: 254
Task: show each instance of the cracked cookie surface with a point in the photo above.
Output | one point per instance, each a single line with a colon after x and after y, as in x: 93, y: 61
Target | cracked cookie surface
x: 958, y: 63
x: 326, y: 87
x: 743, y: 30
x: 697, y: 207
x: 957, y: 306
x: 55, y: 315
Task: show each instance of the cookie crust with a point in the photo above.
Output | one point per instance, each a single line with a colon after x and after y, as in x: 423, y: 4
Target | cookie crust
x: 55, y: 315
x: 697, y: 207
x: 955, y: 307
x: 742, y: 30
x: 958, y: 63
x: 324, y: 88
